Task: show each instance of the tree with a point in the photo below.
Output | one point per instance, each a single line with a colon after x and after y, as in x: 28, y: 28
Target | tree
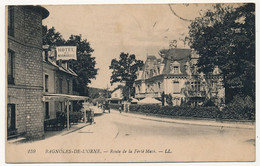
x: 225, y: 37
x: 51, y: 37
x: 85, y: 64
x: 124, y: 70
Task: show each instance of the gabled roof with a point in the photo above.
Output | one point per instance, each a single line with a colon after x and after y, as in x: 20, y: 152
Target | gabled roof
x: 174, y: 56
x: 118, y: 87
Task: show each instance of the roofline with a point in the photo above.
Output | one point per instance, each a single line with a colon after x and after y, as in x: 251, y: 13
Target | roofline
x: 43, y: 11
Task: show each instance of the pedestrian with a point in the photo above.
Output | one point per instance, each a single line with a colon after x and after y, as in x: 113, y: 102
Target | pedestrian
x: 120, y: 109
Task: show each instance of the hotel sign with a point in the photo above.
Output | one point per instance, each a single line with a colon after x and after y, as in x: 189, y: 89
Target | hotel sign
x: 66, y: 52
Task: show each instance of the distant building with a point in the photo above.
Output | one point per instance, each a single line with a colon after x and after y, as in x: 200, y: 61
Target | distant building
x: 24, y: 71
x: 117, y: 95
x: 175, y: 74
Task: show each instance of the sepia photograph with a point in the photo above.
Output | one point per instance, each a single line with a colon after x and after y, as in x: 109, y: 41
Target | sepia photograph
x: 130, y: 83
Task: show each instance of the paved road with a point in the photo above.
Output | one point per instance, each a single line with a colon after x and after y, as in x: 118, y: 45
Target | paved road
x: 121, y: 137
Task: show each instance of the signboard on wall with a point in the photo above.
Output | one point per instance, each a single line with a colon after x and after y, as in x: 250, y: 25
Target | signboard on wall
x: 66, y: 52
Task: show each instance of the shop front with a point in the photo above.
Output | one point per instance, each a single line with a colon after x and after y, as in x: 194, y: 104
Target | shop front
x: 66, y: 115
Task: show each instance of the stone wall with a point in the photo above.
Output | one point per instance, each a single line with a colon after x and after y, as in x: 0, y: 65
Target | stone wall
x: 26, y: 92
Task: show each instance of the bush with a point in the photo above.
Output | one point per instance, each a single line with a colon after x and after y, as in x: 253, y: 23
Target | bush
x: 229, y: 112
x: 240, y: 113
x: 242, y: 108
x: 75, y: 117
x: 202, y: 112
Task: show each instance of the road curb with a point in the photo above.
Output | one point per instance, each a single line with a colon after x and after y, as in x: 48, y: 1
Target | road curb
x: 187, y: 121
x: 76, y: 129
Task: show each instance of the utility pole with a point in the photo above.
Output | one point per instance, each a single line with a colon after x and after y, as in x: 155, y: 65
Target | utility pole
x: 107, y: 92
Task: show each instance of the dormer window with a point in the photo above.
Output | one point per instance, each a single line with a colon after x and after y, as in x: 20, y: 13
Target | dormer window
x: 175, y: 67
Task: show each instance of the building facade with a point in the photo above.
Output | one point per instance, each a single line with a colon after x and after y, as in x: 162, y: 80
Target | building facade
x: 117, y: 95
x: 24, y: 71
x: 57, y: 79
x: 175, y: 74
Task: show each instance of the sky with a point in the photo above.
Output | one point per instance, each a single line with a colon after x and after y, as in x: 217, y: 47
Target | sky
x: 111, y: 29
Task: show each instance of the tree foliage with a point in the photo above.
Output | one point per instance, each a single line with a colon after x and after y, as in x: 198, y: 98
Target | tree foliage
x: 51, y: 37
x: 124, y: 70
x: 225, y: 36
x: 85, y: 64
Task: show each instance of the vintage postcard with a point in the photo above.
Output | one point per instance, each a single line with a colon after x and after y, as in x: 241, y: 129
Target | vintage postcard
x: 127, y: 83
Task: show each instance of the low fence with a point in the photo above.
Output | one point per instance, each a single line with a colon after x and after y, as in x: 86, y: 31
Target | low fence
x: 60, y: 122
x: 231, y: 113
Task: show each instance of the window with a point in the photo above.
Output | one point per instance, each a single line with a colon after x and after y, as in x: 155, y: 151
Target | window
x: 10, y: 67
x: 195, y: 85
x: 46, y: 55
x: 68, y: 86
x: 175, y: 69
x: 61, y: 106
x: 60, y: 86
x: 46, y: 82
x: 192, y: 85
x: 176, y: 87
x: 11, y: 119
x: 47, y: 111
x: 11, y: 20
x: 198, y: 86
x: 158, y: 70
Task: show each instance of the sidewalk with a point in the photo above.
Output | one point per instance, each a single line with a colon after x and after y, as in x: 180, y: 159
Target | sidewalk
x: 49, y: 134
x: 202, y: 122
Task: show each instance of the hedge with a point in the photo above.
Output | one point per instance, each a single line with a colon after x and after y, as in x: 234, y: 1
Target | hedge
x: 240, y: 113
x: 197, y: 112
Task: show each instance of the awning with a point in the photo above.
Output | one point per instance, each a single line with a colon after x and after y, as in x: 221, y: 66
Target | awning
x: 149, y: 100
x: 62, y: 97
x: 115, y: 99
x: 65, y: 98
x: 133, y: 100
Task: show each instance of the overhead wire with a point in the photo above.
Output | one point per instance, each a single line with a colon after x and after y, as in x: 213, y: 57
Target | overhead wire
x: 184, y: 19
